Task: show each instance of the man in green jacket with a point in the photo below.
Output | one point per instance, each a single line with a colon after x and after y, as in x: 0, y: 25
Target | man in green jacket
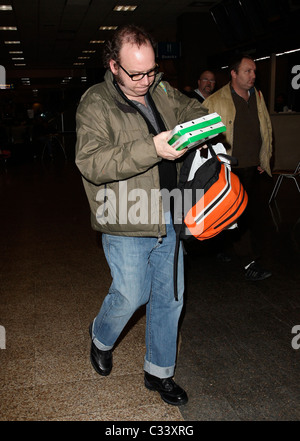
x: 122, y: 152
x: 248, y: 137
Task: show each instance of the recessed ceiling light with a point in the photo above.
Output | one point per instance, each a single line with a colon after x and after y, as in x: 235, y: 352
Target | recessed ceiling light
x: 88, y: 52
x: 8, y: 28
x: 12, y: 42
x: 125, y: 8
x: 5, y: 8
x: 83, y: 58
x: 15, y: 52
x: 97, y: 41
x: 78, y: 64
x: 108, y: 28
x: 20, y: 64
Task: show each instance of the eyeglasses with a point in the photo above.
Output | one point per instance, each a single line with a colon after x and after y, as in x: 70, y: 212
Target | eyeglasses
x: 207, y: 80
x: 140, y: 76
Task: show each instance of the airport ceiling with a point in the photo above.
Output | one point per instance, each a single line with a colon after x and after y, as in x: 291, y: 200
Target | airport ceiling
x: 55, y: 35
x: 56, y: 38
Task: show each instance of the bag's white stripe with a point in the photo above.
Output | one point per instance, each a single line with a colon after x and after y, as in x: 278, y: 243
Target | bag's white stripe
x: 216, y: 201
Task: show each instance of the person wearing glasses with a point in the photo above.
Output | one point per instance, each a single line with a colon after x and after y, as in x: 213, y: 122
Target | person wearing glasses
x: 206, y: 86
x: 127, y: 166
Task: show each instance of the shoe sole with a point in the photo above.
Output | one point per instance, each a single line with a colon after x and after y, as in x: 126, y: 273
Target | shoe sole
x: 258, y: 278
x: 95, y: 366
x: 181, y: 403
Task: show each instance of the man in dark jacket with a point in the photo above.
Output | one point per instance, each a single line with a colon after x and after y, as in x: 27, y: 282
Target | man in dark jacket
x: 206, y: 86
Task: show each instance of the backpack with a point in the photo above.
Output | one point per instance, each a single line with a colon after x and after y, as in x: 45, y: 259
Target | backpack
x: 210, y: 198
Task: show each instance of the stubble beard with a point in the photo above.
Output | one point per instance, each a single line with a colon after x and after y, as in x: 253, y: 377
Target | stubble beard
x: 119, y: 80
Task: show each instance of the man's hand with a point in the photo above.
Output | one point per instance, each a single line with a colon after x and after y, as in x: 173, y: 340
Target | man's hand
x: 260, y: 170
x: 163, y: 149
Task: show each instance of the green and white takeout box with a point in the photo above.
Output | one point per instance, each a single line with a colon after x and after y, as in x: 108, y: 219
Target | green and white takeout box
x: 197, y: 131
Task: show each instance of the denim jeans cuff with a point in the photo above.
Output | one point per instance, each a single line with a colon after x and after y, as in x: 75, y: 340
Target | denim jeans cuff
x: 101, y: 346
x: 98, y: 343
x: 157, y: 371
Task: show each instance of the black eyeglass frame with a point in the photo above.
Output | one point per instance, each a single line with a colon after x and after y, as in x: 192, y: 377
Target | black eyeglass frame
x: 141, y: 74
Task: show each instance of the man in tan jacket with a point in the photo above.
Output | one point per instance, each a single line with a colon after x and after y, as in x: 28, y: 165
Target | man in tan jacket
x: 249, y: 138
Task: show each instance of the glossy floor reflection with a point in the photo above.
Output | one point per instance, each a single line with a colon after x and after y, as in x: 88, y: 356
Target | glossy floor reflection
x: 236, y: 360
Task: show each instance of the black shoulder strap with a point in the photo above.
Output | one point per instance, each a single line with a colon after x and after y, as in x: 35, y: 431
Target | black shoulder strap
x: 183, y: 177
x: 231, y: 159
x: 175, y: 265
x: 185, y: 168
x: 178, y: 217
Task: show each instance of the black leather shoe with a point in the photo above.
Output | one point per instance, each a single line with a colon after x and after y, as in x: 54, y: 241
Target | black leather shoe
x: 255, y: 272
x: 169, y: 391
x: 101, y: 360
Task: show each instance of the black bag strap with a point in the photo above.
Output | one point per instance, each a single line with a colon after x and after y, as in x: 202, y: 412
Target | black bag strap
x: 175, y: 266
x: 183, y: 177
x: 231, y: 159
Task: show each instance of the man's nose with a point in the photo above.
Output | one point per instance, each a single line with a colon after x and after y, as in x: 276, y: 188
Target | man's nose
x: 145, y: 81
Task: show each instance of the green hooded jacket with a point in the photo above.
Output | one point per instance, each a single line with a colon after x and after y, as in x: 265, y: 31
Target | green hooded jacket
x: 116, y: 156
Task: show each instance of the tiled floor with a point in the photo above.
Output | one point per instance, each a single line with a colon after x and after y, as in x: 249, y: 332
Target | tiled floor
x: 236, y: 360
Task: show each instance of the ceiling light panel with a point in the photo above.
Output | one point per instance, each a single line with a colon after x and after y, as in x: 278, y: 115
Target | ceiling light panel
x: 125, y: 8
x: 8, y: 28
x: 5, y: 8
x: 108, y: 28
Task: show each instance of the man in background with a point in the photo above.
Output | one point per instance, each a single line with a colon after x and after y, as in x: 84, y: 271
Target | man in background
x: 248, y: 137
x: 206, y: 86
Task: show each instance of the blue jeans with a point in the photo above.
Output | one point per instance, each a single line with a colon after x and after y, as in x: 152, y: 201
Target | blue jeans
x: 142, y: 273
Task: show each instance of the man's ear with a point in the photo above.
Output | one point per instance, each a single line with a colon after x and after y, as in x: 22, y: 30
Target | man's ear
x: 113, y: 67
x: 233, y: 74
